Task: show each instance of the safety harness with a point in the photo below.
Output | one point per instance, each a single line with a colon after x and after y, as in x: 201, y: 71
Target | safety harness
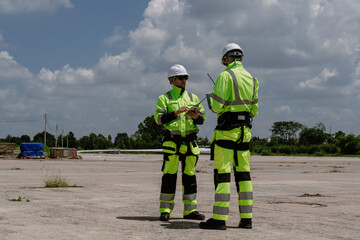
x: 189, y: 139
x: 228, y: 121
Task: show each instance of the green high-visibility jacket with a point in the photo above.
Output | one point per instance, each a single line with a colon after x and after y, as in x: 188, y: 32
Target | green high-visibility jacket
x: 183, y: 125
x: 235, y: 90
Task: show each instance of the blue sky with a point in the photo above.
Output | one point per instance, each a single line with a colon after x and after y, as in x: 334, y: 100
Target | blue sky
x: 71, y: 35
x: 99, y: 66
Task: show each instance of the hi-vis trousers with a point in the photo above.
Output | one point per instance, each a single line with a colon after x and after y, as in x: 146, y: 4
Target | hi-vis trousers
x: 224, y: 160
x: 168, y: 185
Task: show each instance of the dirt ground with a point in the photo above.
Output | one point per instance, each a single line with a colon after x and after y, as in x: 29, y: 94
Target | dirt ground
x: 117, y: 198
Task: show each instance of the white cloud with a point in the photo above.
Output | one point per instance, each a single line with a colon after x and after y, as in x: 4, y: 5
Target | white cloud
x: 115, y: 38
x: 148, y: 39
x: 317, y: 8
x: 284, y: 46
x: 10, y: 69
x: 2, y: 42
x: 4, y: 93
x: 271, y: 2
x: 319, y: 81
x: 297, y: 53
x: 285, y: 109
x: 49, y: 81
x: 18, y: 6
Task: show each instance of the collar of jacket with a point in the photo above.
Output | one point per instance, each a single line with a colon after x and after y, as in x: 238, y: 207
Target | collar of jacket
x: 231, y: 65
x: 178, y: 91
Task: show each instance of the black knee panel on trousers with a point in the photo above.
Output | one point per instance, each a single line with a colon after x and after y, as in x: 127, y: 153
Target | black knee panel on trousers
x: 220, y: 177
x: 241, y: 176
x: 168, y: 183
x: 189, y: 183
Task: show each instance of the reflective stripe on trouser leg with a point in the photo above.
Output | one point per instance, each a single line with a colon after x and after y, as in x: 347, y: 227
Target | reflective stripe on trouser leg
x: 244, y: 184
x: 222, y: 201
x: 167, y: 202
x: 189, y: 186
x: 222, y: 160
x: 168, y: 183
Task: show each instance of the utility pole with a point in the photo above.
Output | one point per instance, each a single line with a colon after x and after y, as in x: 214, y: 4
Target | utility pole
x: 56, y: 138
x: 45, y: 130
x: 62, y: 140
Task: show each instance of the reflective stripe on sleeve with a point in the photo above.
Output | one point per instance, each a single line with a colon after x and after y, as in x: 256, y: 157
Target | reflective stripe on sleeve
x: 177, y: 132
x: 161, y: 111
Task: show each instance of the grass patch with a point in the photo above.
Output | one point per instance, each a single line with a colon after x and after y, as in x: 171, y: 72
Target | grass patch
x: 55, y: 180
x: 19, y: 199
x: 335, y: 170
x: 336, y: 166
x: 15, y: 168
x: 311, y: 195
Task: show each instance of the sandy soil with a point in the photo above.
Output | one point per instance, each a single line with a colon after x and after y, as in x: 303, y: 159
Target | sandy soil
x: 117, y: 198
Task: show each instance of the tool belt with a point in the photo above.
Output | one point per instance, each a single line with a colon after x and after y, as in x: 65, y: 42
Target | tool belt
x: 228, y: 121
x: 231, y: 120
x: 189, y: 141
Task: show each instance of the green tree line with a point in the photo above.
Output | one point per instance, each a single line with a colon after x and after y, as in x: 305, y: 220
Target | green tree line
x: 148, y: 135
x: 287, y: 137
x: 293, y: 138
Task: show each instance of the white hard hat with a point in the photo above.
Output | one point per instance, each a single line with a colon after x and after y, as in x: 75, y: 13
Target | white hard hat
x: 177, y: 70
x: 231, y: 47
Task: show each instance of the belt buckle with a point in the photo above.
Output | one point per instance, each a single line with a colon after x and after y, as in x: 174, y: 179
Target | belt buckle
x: 241, y: 117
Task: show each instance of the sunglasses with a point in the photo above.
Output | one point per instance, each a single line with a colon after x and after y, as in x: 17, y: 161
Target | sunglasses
x: 182, y: 77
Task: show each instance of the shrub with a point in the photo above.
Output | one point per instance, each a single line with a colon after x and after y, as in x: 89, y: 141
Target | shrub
x: 313, y: 149
x: 301, y: 149
x: 274, y: 149
x: 286, y: 149
x: 329, y: 148
x: 351, y: 147
x: 265, y: 152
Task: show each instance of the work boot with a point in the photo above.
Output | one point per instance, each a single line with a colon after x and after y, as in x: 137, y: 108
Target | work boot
x: 195, y: 215
x: 164, y: 216
x: 245, y: 223
x: 213, y: 224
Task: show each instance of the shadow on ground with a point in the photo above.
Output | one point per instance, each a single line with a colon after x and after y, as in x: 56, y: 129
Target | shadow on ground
x: 174, y: 223
x: 181, y: 225
x: 139, y: 218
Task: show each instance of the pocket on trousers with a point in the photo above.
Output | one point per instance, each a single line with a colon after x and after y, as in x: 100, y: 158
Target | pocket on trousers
x: 183, y: 149
x: 169, y: 147
x: 194, y: 148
